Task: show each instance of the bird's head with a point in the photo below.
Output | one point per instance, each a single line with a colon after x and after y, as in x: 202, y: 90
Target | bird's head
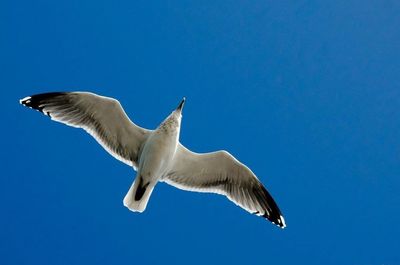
x: 173, y: 121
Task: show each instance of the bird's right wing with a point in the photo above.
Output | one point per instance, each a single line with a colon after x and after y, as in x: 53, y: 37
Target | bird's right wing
x: 102, y: 117
x: 219, y: 172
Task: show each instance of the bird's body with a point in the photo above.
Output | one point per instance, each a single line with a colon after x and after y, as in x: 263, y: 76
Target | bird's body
x: 155, y: 161
x: 157, y: 155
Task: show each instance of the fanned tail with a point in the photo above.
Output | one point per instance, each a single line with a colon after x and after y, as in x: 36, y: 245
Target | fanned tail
x: 138, y: 195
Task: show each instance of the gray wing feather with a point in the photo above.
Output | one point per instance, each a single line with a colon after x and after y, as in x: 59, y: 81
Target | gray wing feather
x: 102, y: 117
x: 219, y: 172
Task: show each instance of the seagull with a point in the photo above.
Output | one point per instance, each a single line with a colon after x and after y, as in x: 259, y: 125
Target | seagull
x: 157, y: 155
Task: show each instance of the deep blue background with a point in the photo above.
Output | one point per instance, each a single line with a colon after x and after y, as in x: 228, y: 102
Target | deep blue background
x: 306, y: 93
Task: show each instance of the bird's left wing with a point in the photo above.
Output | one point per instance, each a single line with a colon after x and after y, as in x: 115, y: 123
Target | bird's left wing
x: 102, y: 117
x: 219, y: 172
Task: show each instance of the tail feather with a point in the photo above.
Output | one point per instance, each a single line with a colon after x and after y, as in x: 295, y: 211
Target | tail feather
x: 138, y: 195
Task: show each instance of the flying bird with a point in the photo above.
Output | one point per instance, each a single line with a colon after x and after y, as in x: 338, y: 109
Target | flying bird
x: 157, y: 155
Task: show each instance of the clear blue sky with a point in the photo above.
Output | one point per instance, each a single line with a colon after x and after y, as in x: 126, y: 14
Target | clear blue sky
x: 306, y: 93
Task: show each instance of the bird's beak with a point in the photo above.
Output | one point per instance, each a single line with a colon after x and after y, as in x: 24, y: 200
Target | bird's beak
x: 180, y: 107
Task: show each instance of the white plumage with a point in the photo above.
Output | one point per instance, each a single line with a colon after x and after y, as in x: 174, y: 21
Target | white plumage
x: 157, y: 154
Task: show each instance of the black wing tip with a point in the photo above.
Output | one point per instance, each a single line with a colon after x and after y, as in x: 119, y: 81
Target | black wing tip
x: 35, y: 101
x: 279, y: 221
x: 271, y: 209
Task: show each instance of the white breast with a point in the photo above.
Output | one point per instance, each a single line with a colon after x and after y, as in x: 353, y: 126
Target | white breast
x: 157, y: 155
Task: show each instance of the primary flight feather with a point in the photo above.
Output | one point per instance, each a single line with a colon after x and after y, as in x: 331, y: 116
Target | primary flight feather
x: 157, y: 155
